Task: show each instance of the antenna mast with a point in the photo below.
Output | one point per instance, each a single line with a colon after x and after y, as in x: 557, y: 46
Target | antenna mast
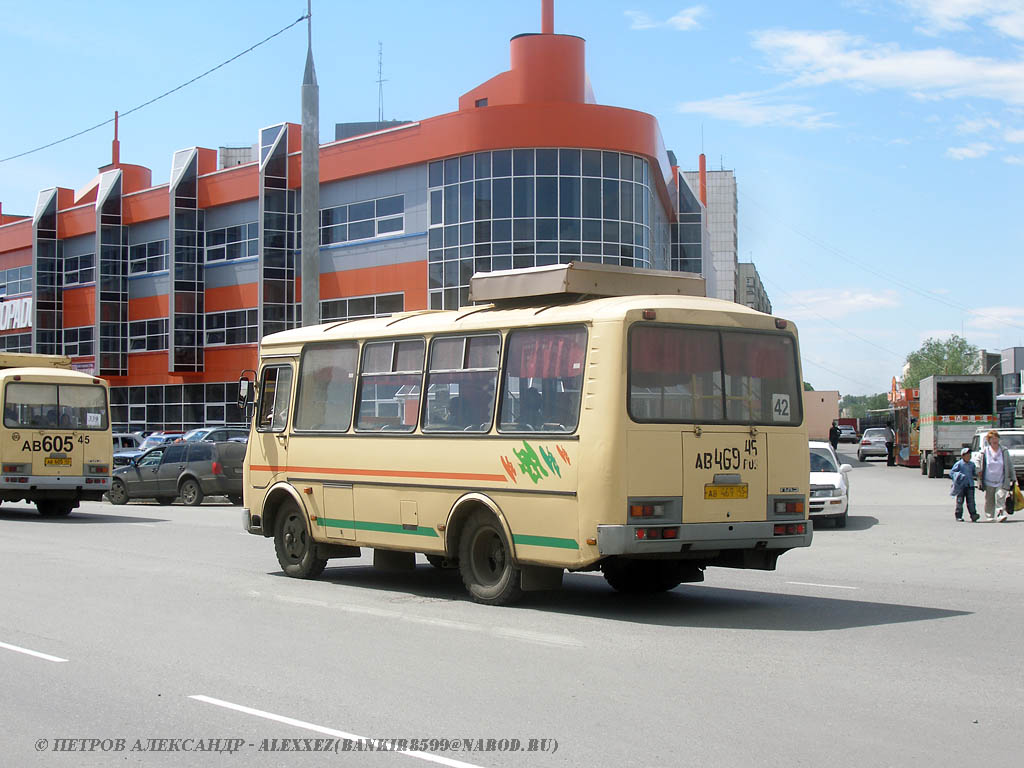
x: 380, y: 82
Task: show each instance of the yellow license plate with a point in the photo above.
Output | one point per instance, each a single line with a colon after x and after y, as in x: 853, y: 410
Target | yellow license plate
x: 51, y: 461
x: 725, y: 491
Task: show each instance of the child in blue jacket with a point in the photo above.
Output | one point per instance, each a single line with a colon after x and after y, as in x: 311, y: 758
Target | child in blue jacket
x: 962, y: 474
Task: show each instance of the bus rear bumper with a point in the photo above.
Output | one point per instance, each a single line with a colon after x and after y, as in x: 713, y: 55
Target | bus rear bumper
x: 70, y: 487
x: 697, y: 537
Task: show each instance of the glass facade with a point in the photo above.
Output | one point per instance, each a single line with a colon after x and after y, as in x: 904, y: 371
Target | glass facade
x: 279, y: 242
x: 174, y: 407
x: 187, y: 282
x: 48, y: 294
x: 687, y: 232
x: 356, y: 307
x: 15, y: 281
x: 516, y: 208
x: 112, y: 287
x: 362, y: 221
x: 235, y: 242
x: 147, y: 257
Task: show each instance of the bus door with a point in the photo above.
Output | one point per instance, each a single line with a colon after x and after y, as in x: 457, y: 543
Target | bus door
x: 270, y: 442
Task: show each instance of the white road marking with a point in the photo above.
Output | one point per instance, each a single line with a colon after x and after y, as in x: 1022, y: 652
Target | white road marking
x: 28, y: 652
x: 826, y: 586
x: 326, y: 731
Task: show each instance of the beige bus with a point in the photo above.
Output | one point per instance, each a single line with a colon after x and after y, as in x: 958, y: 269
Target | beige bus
x: 648, y: 436
x: 55, y: 440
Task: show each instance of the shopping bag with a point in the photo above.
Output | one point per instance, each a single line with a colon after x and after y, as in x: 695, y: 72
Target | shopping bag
x: 1018, y: 499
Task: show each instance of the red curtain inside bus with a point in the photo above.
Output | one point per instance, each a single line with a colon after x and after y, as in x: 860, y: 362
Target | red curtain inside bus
x: 547, y: 354
x: 673, y: 351
x: 758, y: 356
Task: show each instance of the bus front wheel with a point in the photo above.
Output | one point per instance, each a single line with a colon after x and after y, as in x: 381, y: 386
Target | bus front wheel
x: 642, y: 576
x: 485, y: 562
x: 296, y: 550
x: 55, y: 508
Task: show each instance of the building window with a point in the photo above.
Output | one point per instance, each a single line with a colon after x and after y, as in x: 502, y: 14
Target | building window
x: 16, y: 342
x: 79, y: 270
x: 175, y: 406
x: 533, y: 207
x: 78, y: 342
x: 15, y: 281
x: 235, y: 327
x: 229, y: 243
x: 147, y: 257
x: 363, y: 221
x: 147, y: 335
x: 361, y: 306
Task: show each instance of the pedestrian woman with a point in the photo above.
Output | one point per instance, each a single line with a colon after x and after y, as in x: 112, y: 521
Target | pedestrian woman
x: 995, y: 477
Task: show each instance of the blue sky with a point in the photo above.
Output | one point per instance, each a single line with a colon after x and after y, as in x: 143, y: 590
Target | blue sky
x: 878, y: 146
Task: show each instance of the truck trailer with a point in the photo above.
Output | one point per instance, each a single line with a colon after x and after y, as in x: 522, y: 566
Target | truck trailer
x: 953, y: 408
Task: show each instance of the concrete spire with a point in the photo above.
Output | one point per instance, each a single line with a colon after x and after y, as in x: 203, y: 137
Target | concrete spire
x: 310, y: 262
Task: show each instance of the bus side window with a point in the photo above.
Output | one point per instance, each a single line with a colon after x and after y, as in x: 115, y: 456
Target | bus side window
x: 461, y: 381
x: 543, y: 380
x: 389, y: 386
x: 275, y: 395
x: 327, y: 382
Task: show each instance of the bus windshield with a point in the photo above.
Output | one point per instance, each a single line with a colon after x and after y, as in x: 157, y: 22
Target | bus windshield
x: 676, y: 375
x: 63, y: 406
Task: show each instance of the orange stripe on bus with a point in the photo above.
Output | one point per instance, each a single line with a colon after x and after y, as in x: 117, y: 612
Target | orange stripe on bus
x: 384, y: 473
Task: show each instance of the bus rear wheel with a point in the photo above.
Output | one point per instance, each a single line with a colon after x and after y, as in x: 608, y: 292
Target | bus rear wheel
x: 642, y: 576
x: 55, y: 508
x: 485, y: 562
x: 296, y: 550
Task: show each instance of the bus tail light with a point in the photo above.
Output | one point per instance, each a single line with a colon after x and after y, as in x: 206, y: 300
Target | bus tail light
x: 789, y: 507
x: 15, y: 469
x: 655, y: 533
x: 790, y: 529
x: 216, y: 468
x: 646, y: 510
x: 98, y: 469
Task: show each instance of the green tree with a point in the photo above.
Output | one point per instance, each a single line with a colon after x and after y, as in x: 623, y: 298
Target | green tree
x: 859, y: 405
x: 808, y: 387
x: 950, y: 357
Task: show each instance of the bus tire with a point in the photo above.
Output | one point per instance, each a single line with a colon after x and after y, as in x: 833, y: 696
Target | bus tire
x: 485, y: 562
x: 55, y: 508
x: 118, y: 493
x: 922, y: 460
x: 296, y: 550
x: 642, y: 576
x: 190, y: 493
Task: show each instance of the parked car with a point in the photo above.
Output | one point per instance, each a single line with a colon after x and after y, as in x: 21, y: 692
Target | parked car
x: 213, y: 434
x: 125, y: 441
x: 1010, y: 439
x: 191, y: 471
x: 830, y: 488
x: 872, y: 443
x: 122, y: 458
x: 847, y: 434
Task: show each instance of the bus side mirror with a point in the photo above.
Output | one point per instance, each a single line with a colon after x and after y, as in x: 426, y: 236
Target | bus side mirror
x: 245, y: 387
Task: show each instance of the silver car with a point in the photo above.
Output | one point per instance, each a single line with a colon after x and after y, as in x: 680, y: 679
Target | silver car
x: 1010, y: 439
x: 872, y: 443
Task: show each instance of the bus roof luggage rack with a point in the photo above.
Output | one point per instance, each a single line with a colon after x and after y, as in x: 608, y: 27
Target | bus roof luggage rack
x: 578, y: 279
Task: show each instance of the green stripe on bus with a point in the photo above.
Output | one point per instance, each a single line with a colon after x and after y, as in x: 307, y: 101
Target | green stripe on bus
x: 363, y: 525
x: 545, y: 541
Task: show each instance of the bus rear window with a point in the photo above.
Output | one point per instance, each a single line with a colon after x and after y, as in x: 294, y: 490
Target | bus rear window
x: 55, y: 406
x: 676, y: 375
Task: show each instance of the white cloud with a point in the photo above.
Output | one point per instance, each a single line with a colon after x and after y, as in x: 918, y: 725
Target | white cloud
x: 995, y: 318
x: 756, y: 109
x: 1005, y: 16
x: 1014, y: 136
x: 685, y: 20
x: 977, y: 125
x: 814, y: 305
x: 1014, y: 159
x: 818, y: 58
x: 970, y: 152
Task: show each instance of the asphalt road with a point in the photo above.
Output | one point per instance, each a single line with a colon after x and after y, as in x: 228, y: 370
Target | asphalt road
x: 896, y: 641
